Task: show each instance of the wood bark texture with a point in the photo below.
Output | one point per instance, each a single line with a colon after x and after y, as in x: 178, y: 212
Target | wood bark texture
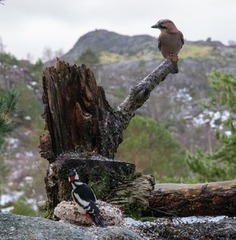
x: 132, y: 196
x: 208, y: 199
x: 77, y: 114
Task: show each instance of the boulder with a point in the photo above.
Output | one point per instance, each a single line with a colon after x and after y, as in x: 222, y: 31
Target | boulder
x: 17, y: 227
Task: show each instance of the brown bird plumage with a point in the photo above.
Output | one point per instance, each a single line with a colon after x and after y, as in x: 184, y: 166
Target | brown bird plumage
x: 170, y: 40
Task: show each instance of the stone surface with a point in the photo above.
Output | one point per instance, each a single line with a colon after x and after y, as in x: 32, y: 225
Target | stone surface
x: 17, y: 227
x: 70, y: 212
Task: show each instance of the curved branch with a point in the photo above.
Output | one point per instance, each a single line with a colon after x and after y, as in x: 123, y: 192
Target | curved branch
x: 140, y: 93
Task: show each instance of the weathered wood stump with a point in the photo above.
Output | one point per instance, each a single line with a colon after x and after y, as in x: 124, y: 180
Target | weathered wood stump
x: 84, y: 132
x: 77, y: 114
x: 132, y: 196
x: 101, y: 174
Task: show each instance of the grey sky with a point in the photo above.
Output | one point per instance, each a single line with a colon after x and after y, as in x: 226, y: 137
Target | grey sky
x: 28, y: 26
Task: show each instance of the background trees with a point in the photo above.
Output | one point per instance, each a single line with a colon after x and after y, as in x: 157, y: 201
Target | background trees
x: 8, y: 106
x: 151, y: 147
x: 219, y: 164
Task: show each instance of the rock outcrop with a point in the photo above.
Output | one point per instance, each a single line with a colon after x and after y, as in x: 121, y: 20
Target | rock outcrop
x: 17, y: 227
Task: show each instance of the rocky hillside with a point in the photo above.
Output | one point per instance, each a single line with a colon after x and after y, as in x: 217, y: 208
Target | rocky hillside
x: 125, y: 60
x: 102, y: 42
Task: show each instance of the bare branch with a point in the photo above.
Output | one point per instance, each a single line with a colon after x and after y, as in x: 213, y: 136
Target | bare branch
x: 140, y: 93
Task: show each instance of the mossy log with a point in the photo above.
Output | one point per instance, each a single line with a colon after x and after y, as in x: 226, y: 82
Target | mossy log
x: 207, y: 199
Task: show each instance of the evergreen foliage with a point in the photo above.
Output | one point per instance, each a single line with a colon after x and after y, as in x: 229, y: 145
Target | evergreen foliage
x: 8, y: 105
x: 37, y: 70
x: 34, y: 109
x: 221, y: 164
x: 89, y: 58
x: 8, y: 59
x: 21, y: 207
x: 151, y: 147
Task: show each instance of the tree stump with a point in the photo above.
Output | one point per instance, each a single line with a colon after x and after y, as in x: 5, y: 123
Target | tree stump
x: 84, y: 132
x: 77, y: 114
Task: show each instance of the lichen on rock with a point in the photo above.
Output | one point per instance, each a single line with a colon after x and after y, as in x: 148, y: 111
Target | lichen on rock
x: 70, y: 212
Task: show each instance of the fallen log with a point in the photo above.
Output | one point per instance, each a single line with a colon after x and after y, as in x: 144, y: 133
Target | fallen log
x: 204, y: 199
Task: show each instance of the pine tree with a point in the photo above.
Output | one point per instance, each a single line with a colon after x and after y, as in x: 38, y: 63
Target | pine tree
x: 89, y: 58
x: 8, y: 106
x: 151, y: 147
x: 221, y: 164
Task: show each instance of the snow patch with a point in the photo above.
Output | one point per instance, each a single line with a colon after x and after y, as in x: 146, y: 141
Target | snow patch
x: 13, y: 142
x: 130, y: 222
x: 33, y: 83
x: 10, y: 197
x: 199, y: 219
x: 7, y: 210
x: 29, y: 154
x: 28, y: 118
x: 214, y: 119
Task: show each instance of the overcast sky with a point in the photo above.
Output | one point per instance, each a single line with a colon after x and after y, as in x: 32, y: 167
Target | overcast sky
x: 28, y: 26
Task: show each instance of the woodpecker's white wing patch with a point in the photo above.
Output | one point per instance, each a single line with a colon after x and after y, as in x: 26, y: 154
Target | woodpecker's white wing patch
x: 80, y: 201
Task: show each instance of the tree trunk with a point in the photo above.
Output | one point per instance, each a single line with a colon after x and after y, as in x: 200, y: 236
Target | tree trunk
x: 208, y: 199
x: 77, y: 114
x: 84, y: 132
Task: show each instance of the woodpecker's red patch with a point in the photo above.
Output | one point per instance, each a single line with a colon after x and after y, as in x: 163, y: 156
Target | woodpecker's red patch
x: 87, y: 215
x: 72, y: 178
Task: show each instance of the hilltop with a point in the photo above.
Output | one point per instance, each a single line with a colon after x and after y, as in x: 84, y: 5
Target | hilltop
x: 100, y: 41
x: 142, y: 47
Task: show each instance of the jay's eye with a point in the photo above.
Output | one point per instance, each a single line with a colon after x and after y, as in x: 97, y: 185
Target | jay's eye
x: 162, y: 27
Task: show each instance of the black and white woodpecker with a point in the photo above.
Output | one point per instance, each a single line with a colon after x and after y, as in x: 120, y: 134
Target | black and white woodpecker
x: 84, y: 196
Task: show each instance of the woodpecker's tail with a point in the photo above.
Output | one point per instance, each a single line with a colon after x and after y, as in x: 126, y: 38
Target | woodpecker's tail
x: 98, y: 220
